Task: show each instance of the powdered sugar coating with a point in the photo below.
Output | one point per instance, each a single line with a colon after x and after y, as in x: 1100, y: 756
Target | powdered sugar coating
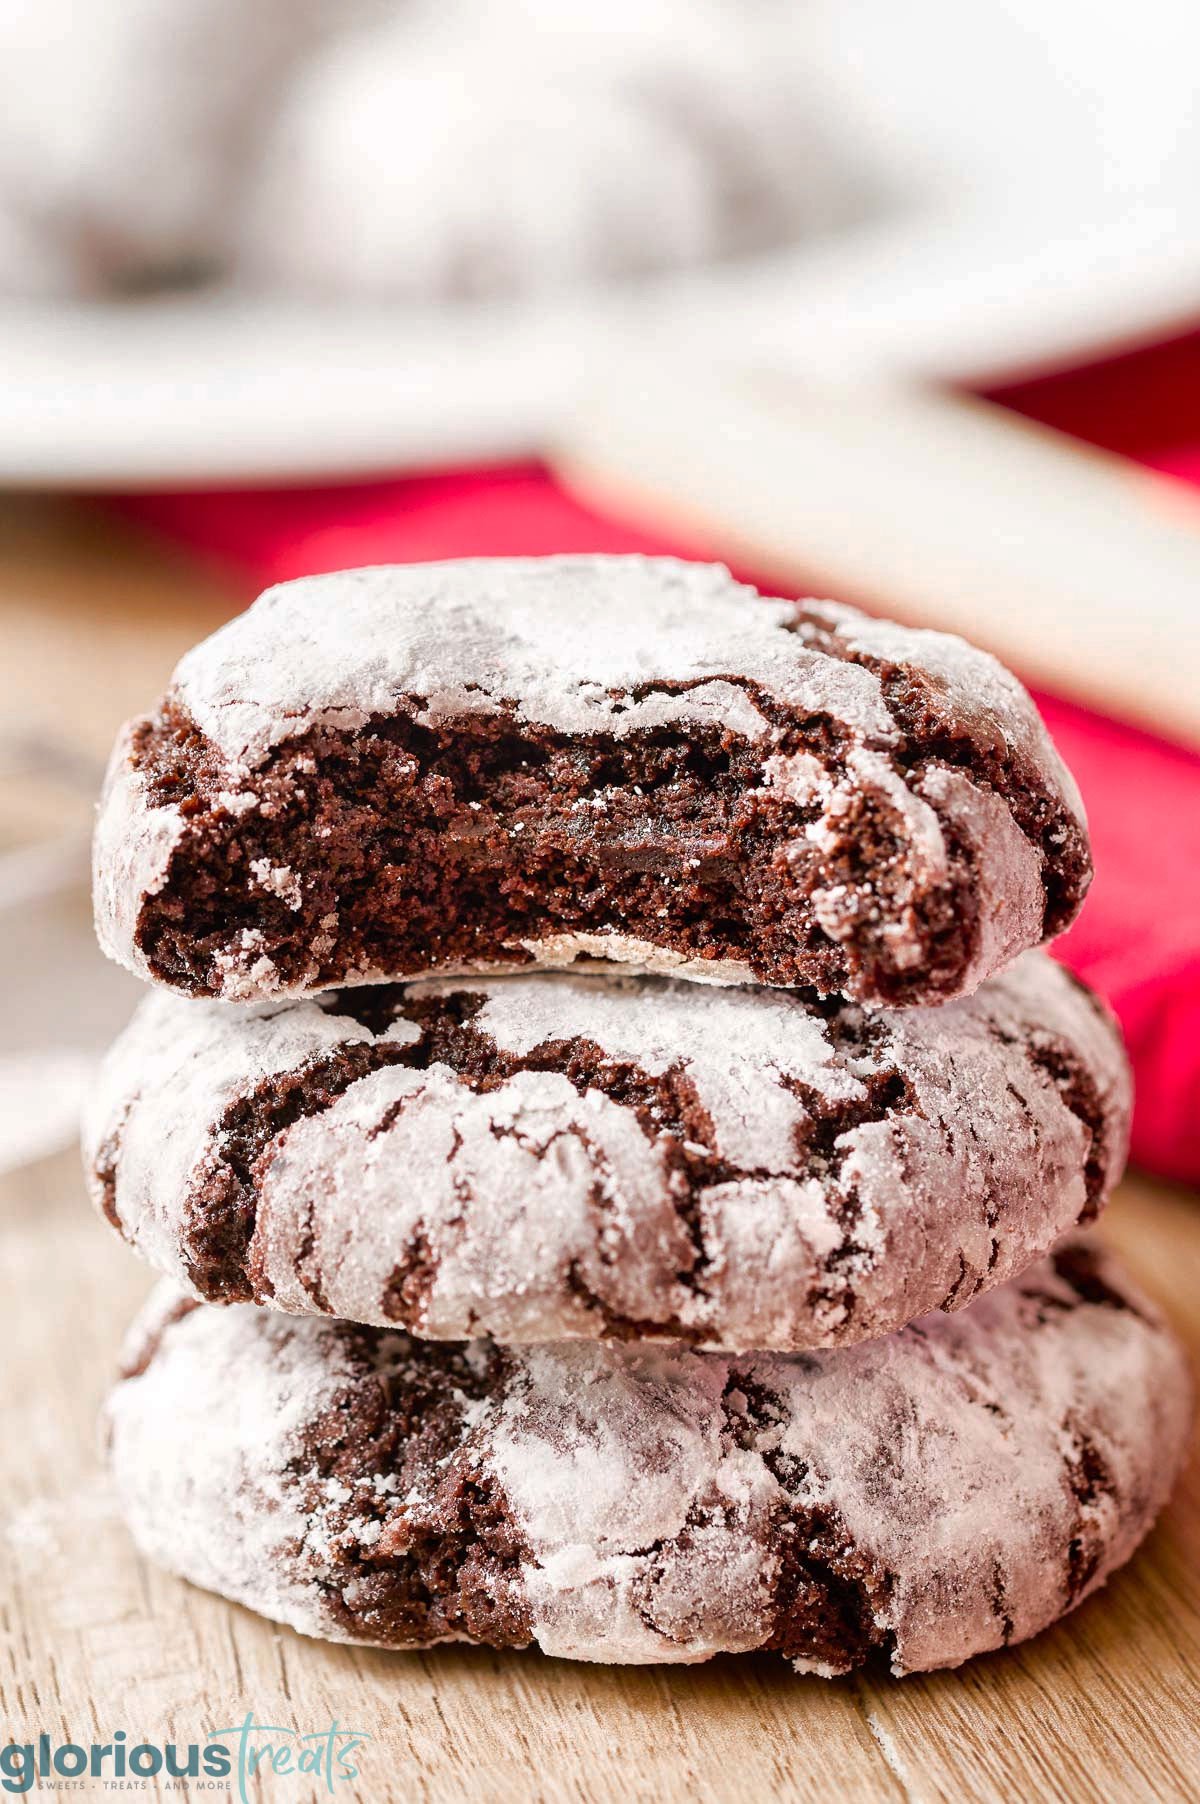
x: 590, y: 1155
x: 963, y: 1482
x: 617, y: 646
x: 575, y: 643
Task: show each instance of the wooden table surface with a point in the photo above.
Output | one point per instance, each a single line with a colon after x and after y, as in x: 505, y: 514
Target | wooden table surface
x: 1104, y: 1707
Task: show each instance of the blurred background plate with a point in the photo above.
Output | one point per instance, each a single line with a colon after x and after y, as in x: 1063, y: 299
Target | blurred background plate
x: 1041, y: 161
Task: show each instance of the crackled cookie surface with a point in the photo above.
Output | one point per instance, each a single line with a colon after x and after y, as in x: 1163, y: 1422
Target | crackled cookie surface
x: 918, y: 1499
x: 545, y: 1156
x: 476, y: 765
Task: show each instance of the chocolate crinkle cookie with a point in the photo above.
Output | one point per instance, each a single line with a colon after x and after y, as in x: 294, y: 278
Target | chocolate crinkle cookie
x: 540, y: 1156
x: 477, y: 765
x: 914, y: 1500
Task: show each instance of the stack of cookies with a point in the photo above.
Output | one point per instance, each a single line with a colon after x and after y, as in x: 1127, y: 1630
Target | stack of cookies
x: 602, y: 1070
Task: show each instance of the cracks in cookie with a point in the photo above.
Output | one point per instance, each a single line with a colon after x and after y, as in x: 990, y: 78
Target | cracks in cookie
x: 954, y: 1297
x: 1081, y: 1095
x: 618, y: 1324
x: 669, y: 1111
x: 1081, y: 1268
x: 999, y: 1599
x: 621, y: 1327
x: 220, y: 1244
x: 306, y: 1268
x: 1021, y: 1101
x: 887, y: 1092
x: 827, y: 1595
x: 754, y: 1418
x: 148, y: 1347
x: 225, y: 1262
x: 105, y: 1171
x: 1062, y: 1067
x: 931, y: 738
x: 830, y: 1595
x: 409, y: 1540
x: 1091, y: 1483
x: 888, y: 1095
x: 223, y: 1204
x: 660, y: 1555
x: 1087, y: 1470
x: 917, y: 701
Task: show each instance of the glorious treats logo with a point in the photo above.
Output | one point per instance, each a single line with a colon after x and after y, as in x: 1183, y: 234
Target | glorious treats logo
x: 235, y: 1761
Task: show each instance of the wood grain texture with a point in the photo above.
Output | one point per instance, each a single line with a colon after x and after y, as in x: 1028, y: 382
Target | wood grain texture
x: 1103, y: 1708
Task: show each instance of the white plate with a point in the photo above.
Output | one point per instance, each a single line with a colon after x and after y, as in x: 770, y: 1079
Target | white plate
x: 1056, y: 151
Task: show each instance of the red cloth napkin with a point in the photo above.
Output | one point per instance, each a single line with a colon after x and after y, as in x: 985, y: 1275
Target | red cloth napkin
x: 1138, y: 940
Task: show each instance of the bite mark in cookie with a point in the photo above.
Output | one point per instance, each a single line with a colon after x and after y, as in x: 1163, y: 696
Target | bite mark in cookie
x: 486, y: 764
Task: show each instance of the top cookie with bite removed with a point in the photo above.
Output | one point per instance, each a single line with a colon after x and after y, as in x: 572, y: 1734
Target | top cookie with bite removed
x: 490, y: 763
